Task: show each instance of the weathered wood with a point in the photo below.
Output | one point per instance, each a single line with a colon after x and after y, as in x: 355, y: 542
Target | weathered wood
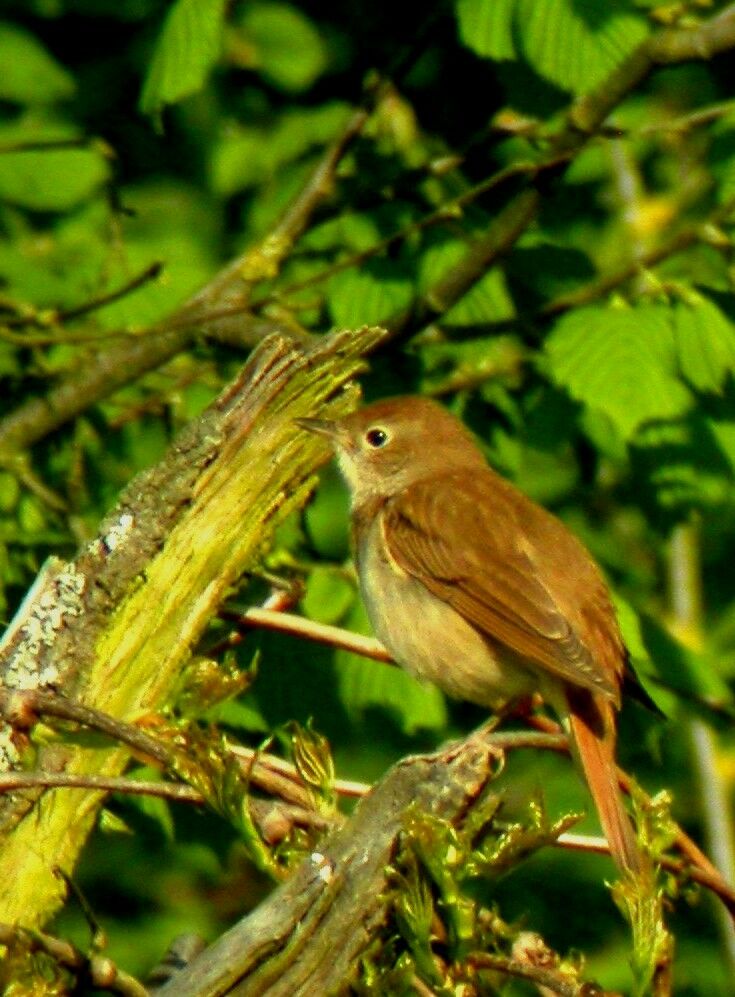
x: 114, y: 626
x: 308, y: 936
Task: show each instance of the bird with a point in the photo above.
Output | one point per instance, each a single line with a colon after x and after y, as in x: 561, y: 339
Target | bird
x: 472, y: 585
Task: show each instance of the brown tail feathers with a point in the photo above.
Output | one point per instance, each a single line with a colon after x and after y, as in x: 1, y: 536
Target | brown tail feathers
x: 592, y: 724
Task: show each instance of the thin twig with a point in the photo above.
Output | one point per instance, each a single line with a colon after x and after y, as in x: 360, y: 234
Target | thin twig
x: 13, y: 781
x: 550, y: 979
x: 55, y: 317
x: 687, y: 122
x: 124, y: 362
x: 549, y: 736
x: 599, y: 846
x: 666, y: 47
x: 151, y: 272
x: 447, y: 212
x: 321, y: 633
x: 100, y: 970
x: 274, y: 818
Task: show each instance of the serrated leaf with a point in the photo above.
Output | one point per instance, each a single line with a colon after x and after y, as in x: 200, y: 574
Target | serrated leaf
x: 620, y: 362
x: 486, y: 26
x: 705, y: 344
x: 187, y: 49
x: 576, y: 43
x: 367, y: 684
x: 368, y: 296
x: 572, y: 43
x: 288, y: 50
x: 29, y: 74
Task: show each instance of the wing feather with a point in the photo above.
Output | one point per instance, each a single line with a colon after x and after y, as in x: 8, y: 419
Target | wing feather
x: 480, y: 545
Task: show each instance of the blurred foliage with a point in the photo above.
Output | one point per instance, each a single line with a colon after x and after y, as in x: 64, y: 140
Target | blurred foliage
x: 178, y: 137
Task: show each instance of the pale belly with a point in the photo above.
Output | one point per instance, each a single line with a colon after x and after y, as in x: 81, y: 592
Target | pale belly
x: 432, y: 641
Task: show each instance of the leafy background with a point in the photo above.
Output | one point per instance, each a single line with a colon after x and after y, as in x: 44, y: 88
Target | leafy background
x: 140, y: 133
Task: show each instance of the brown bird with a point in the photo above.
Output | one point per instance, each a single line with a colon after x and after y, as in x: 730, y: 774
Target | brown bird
x: 472, y: 585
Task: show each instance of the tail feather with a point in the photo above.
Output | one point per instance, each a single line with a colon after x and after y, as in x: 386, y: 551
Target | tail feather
x: 593, y: 730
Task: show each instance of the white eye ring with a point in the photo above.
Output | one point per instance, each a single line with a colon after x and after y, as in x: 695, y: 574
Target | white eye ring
x: 376, y: 437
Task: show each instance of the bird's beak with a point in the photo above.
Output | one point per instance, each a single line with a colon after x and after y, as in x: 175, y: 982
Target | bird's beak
x: 322, y: 427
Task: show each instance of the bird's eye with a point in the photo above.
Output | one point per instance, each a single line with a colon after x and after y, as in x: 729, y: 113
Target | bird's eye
x: 376, y: 437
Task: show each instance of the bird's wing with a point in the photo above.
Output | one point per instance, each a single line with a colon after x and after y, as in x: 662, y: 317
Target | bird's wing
x: 472, y: 541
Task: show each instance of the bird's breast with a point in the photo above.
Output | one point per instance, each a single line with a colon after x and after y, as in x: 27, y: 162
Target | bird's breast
x: 427, y: 636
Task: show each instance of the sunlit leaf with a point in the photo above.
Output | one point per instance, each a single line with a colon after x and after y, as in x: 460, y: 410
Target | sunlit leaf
x: 48, y: 179
x: 487, y: 301
x: 620, y: 362
x: 368, y: 295
x: 246, y: 156
x: 705, y: 344
x: 187, y: 49
x: 576, y: 43
x: 328, y: 595
x: 173, y: 225
x: 572, y: 43
x: 486, y: 26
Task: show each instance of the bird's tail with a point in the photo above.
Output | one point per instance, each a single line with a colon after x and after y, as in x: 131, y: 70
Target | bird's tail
x: 592, y: 723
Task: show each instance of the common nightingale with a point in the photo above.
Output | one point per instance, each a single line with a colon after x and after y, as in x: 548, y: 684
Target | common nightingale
x: 472, y: 585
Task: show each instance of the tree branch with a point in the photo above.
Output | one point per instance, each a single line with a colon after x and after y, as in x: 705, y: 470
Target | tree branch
x: 666, y: 47
x: 225, y: 295
x: 116, y: 624
x: 307, y: 937
x: 99, y: 970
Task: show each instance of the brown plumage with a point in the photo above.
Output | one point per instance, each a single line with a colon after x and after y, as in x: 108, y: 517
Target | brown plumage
x: 472, y: 585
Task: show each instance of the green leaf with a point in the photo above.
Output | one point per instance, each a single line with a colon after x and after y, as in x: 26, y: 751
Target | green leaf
x: 367, y: 684
x: 705, y: 344
x: 620, y: 362
x: 289, y: 52
x: 326, y: 517
x: 487, y: 301
x: 49, y: 179
x: 572, y: 43
x: 187, y: 49
x: 577, y: 43
x: 688, y: 463
x: 29, y: 74
x: 486, y: 26
x: 688, y: 674
x: 643, y: 667
x: 172, y: 224
x: 247, y: 156
x: 449, y: 365
x: 328, y: 595
x: 242, y: 714
x: 369, y: 295
x: 349, y: 230
x: 154, y: 808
